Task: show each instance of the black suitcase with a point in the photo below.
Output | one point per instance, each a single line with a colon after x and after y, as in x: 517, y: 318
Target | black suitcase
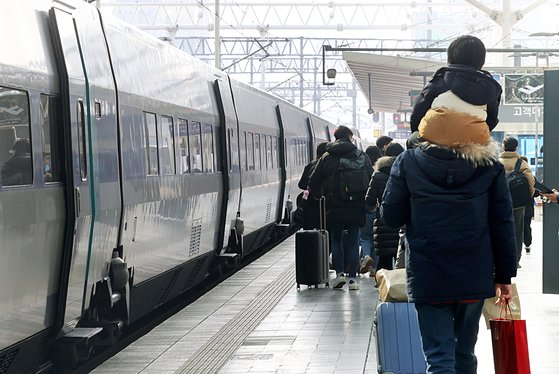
x: 312, y: 253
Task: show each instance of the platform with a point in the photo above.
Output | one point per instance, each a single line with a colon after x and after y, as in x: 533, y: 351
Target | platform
x: 257, y: 322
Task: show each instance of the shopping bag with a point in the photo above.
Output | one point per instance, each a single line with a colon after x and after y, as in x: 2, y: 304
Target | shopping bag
x: 392, y: 285
x: 510, y: 345
x: 493, y: 311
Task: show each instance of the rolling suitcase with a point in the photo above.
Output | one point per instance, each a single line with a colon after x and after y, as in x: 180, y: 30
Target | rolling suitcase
x: 312, y: 252
x: 398, y: 341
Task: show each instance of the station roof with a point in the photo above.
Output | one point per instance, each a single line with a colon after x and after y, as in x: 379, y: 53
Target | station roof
x: 390, y: 81
x: 393, y: 77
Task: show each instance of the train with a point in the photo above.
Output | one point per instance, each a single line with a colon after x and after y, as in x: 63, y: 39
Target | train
x: 146, y: 171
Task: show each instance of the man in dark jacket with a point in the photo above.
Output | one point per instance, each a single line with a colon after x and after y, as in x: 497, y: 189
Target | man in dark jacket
x: 342, y: 213
x: 386, y: 239
x: 311, y: 212
x: 18, y: 169
x: 457, y: 210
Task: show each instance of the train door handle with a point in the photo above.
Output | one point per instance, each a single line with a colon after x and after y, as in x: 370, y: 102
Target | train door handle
x: 77, y: 201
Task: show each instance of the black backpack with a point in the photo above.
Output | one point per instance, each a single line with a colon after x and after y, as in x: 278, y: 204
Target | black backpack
x: 519, y: 187
x: 354, y: 177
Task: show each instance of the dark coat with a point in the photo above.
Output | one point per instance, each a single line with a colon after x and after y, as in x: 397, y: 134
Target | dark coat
x: 459, y: 222
x: 311, y: 208
x: 305, y: 177
x: 476, y: 87
x: 325, y: 178
x: 385, y: 238
x: 17, y: 170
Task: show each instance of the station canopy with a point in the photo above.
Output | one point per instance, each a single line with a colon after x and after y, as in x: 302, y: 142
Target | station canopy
x: 391, y: 79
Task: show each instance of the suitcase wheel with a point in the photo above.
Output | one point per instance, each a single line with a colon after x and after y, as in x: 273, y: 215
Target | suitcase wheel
x: 298, y: 287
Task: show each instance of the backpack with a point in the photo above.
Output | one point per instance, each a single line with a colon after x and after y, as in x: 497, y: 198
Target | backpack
x: 354, y: 178
x: 519, y: 187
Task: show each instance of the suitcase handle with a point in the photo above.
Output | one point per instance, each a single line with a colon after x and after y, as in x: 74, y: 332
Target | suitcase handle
x: 322, y: 208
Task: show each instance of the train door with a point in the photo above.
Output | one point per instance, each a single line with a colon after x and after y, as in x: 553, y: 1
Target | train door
x: 93, y: 183
x: 231, y: 166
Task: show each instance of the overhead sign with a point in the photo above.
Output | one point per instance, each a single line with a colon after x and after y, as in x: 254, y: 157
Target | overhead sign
x: 521, y: 113
x: 523, y: 89
x: 399, y: 134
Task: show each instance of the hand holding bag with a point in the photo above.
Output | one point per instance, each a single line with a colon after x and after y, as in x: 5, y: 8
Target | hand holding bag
x: 510, y: 344
x: 492, y: 310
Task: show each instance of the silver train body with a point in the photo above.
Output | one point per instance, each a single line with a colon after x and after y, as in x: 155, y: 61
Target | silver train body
x: 148, y: 170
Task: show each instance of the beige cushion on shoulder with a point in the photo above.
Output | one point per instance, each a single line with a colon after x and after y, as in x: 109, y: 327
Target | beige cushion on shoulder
x: 449, y: 100
x: 449, y: 128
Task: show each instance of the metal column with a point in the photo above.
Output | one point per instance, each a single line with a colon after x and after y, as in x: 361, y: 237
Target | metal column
x: 551, y: 179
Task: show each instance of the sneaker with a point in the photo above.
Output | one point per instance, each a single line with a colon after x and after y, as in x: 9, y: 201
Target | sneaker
x: 366, y: 263
x: 352, y: 285
x: 372, y: 272
x: 339, y: 281
x: 528, y: 248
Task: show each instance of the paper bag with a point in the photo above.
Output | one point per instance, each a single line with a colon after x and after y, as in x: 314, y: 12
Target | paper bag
x: 492, y: 311
x: 510, y: 346
x: 392, y: 285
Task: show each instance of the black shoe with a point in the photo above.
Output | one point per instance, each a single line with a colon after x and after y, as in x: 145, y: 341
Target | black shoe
x: 528, y: 248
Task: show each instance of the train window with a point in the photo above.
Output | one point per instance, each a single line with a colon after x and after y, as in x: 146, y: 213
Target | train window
x: 257, y: 156
x: 217, y: 149
x: 15, y: 138
x: 269, y: 159
x: 250, y: 151
x: 208, y: 147
x: 243, y: 149
x: 97, y: 109
x: 230, y: 137
x: 49, y: 132
x: 82, y: 149
x: 195, y: 137
x: 264, y: 152
x: 167, y: 145
x: 150, y: 132
x: 275, y: 151
x: 184, y: 150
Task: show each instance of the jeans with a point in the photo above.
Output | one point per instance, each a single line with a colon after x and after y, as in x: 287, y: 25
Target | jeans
x: 527, y: 231
x: 350, y: 246
x: 519, y: 230
x: 448, y: 335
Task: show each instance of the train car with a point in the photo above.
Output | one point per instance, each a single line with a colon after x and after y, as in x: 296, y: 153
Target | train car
x: 130, y: 172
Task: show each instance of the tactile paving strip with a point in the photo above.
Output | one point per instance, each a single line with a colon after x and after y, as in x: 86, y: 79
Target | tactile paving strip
x: 218, y: 351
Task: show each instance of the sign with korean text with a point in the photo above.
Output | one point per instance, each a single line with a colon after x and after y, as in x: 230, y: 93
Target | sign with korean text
x: 525, y: 89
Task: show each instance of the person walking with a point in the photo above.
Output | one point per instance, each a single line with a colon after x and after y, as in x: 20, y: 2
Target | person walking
x: 452, y: 195
x: 386, y: 239
x: 311, y: 213
x: 368, y: 257
x: 383, y: 142
x: 342, y: 175
x: 509, y: 159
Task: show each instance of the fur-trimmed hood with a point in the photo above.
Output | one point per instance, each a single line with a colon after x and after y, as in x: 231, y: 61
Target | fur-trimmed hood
x: 457, y: 164
x: 384, y: 164
x: 477, y: 154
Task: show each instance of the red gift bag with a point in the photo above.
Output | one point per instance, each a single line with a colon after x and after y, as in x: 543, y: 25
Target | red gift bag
x: 510, y: 345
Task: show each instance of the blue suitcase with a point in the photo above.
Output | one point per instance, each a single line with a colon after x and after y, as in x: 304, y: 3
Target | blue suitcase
x: 398, y: 341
